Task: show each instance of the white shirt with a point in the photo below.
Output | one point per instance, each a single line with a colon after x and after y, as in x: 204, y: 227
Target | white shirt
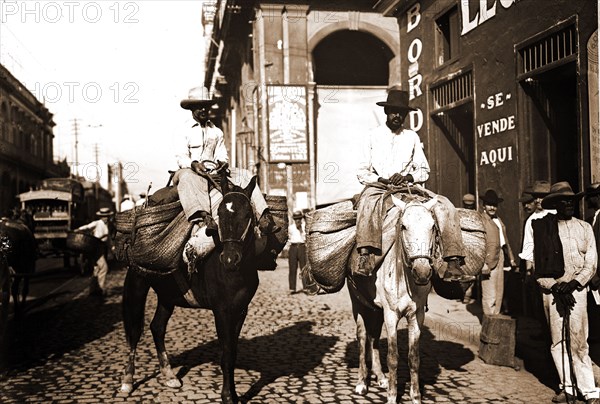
x: 127, y: 204
x: 527, y: 248
x: 198, y: 143
x: 386, y: 153
x: 497, y: 222
x: 100, y: 229
x: 296, y: 235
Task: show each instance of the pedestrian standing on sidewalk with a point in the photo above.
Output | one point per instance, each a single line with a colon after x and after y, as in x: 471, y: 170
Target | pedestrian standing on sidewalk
x: 492, y: 277
x: 99, y: 230
x: 563, y: 260
x: 592, y: 195
x: 297, y: 253
x: 539, y: 190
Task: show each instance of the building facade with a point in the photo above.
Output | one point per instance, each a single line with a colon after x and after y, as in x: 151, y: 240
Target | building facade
x: 297, y: 84
x: 26, y: 141
x: 506, y: 91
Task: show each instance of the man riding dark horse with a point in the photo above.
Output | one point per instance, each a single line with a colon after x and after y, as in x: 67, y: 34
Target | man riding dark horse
x: 394, y: 155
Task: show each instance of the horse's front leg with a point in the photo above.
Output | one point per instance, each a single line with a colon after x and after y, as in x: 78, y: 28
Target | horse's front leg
x: 135, y: 292
x: 391, y: 323
x: 415, y: 322
x: 374, y: 326
x: 229, y: 325
x: 158, y: 326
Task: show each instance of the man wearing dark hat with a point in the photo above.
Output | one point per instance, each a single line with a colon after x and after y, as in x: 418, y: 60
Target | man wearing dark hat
x: 492, y: 278
x: 394, y: 154
x: 204, y: 142
x: 565, y: 258
x: 99, y: 230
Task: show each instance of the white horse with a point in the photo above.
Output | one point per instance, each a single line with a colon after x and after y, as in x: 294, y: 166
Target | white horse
x: 398, y: 289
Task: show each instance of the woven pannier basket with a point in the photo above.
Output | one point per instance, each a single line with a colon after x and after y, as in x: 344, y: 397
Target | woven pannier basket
x: 124, y: 222
x: 159, y: 237
x: 329, y: 242
x: 279, y: 210
x: 85, y: 243
x: 473, y: 235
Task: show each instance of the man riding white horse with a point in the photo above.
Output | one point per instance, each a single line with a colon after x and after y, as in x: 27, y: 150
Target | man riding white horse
x: 394, y: 155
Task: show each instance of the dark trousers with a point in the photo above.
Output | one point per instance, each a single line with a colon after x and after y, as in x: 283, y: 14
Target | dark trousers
x: 296, y: 255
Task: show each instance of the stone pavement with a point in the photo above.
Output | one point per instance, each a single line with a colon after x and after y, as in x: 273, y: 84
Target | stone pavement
x: 293, y: 348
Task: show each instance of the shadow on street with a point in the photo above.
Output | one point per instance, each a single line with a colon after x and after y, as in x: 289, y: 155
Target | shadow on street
x: 293, y: 350
x: 435, y: 355
x: 35, y: 337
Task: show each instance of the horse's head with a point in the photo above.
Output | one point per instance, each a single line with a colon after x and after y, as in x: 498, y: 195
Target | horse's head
x: 417, y: 236
x: 236, y: 223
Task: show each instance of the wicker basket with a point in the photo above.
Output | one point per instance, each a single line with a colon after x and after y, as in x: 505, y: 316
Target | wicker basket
x: 328, y: 255
x: 124, y: 221
x: 277, y: 203
x: 473, y: 235
x: 85, y: 244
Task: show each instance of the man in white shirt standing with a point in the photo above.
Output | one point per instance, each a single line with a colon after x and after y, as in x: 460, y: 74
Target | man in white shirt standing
x: 393, y: 154
x: 564, y: 259
x: 297, y: 252
x: 204, y: 142
x: 99, y: 230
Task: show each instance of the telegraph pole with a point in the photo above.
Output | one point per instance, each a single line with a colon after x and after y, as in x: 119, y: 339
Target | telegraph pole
x: 75, y: 132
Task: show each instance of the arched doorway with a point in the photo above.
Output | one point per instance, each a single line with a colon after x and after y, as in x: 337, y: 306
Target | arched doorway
x: 352, y: 58
x: 352, y: 71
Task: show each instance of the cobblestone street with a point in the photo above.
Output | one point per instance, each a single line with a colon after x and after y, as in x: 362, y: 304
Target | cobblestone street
x: 293, y: 348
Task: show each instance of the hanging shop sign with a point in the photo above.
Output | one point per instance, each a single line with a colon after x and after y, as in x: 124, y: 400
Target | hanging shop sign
x: 287, y: 124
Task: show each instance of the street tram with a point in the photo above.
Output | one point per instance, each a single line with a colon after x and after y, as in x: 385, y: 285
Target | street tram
x: 59, y: 206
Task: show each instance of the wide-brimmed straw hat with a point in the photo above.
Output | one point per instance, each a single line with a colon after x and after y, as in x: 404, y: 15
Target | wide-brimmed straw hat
x: 104, y: 212
x: 490, y: 197
x: 593, y: 189
x: 397, y: 99
x: 559, y: 192
x: 198, y: 97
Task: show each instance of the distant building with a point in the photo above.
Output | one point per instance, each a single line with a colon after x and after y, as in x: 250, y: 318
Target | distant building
x: 26, y: 141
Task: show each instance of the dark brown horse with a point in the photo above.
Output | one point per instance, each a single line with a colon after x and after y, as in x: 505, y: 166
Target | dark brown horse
x: 5, y: 282
x: 225, y: 282
x: 21, y: 256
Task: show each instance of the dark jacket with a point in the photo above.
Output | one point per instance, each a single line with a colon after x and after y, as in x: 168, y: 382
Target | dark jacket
x: 548, y: 251
x: 492, y: 242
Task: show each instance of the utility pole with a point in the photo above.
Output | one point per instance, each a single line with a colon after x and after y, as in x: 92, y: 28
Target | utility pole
x: 75, y: 132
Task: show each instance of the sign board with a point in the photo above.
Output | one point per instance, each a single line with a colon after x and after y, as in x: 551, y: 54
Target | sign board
x: 287, y: 124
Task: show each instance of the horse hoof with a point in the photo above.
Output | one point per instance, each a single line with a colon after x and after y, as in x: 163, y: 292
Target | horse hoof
x: 383, y: 383
x: 126, y: 388
x: 361, y: 389
x: 173, y: 383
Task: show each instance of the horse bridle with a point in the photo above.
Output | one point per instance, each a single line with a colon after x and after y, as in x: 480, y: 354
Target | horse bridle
x: 246, y: 230
x: 411, y: 258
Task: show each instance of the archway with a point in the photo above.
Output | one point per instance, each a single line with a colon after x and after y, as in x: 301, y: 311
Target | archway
x: 352, y: 58
x: 352, y: 71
